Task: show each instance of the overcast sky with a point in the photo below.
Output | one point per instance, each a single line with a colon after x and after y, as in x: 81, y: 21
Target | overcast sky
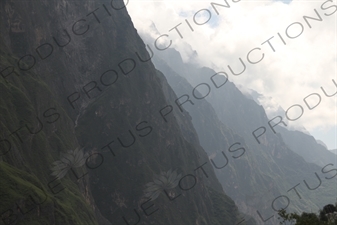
x: 285, y: 76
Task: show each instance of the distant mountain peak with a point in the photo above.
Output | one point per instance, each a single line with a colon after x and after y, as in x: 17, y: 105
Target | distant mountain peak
x: 334, y: 151
x: 321, y: 143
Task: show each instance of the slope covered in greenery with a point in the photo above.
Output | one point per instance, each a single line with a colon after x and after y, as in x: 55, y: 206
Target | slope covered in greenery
x: 26, y: 157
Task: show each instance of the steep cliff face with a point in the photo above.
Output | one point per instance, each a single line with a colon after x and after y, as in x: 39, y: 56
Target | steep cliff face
x: 34, y: 130
x: 261, y: 174
x: 77, y: 75
x: 307, y: 147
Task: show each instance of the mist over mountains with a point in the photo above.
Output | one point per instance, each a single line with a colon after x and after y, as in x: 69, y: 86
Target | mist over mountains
x: 83, y: 137
x: 97, y: 129
x: 334, y: 151
x: 225, y: 118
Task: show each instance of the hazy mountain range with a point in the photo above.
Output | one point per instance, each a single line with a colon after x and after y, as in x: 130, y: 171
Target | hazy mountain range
x: 225, y: 117
x: 96, y: 130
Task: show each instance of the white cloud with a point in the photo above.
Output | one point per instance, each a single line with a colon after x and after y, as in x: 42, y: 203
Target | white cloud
x: 289, y: 74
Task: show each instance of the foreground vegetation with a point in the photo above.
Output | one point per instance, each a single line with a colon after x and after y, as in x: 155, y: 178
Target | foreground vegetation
x: 326, y: 216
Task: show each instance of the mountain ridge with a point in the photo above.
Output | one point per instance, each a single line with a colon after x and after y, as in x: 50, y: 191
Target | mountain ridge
x: 231, y: 106
x: 94, y: 88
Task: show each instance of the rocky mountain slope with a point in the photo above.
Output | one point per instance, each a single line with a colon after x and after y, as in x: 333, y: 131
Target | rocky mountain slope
x: 256, y: 167
x: 76, y: 75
